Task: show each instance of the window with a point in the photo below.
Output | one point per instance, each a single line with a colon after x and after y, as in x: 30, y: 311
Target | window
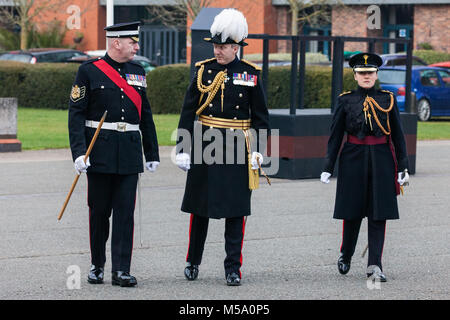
x: 392, y: 76
x: 16, y: 57
x: 429, y: 78
x: 445, y: 76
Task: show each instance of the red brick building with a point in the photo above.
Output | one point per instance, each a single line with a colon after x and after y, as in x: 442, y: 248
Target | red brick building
x: 427, y: 20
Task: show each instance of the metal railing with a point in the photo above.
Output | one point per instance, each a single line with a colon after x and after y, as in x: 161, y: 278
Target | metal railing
x: 297, y: 79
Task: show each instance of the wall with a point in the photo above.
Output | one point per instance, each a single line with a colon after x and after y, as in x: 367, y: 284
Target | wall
x: 432, y: 25
x: 350, y: 21
x: 92, y: 22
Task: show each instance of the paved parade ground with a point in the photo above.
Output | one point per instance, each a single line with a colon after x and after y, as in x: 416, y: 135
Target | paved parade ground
x: 290, y: 248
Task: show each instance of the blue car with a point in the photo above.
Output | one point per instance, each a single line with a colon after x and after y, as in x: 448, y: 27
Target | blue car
x: 431, y: 86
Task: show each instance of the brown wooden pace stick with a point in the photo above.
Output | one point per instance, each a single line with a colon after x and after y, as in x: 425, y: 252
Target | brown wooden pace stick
x: 88, y: 152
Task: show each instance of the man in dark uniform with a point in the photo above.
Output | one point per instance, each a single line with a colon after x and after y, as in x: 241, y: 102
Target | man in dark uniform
x: 373, y: 163
x: 117, y: 84
x: 227, y: 96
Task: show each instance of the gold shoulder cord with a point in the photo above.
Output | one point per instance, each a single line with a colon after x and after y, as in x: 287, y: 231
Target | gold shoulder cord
x: 211, y: 90
x: 370, y: 102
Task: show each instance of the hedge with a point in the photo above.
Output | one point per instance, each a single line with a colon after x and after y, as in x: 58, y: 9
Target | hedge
x: 48, y: 85
x: 43, y: 85
x: 431, y: 56
x: 167, y: 86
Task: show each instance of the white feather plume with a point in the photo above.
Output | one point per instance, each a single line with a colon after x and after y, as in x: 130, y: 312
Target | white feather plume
x: 230, y: 23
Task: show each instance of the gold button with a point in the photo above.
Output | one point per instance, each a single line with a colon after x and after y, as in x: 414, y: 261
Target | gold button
x: 211, y: 127
x: 122, y: 118
x: 209, y: 71
x: 122, y: 97
x: 123, y: 110
x: 103, y: 87
x: 231, y: 129
x: 240, y: 95
x: 210, y: 105
x: 121, y: 89
x: 209, y: 81
x: 235, y: 118
x: 211, y: 115
x: 237, y: 107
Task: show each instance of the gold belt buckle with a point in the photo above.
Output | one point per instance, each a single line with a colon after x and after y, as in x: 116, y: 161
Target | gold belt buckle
x: 121, y: 126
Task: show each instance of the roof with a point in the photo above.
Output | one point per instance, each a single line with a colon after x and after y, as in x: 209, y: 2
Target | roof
x: 140, y: 2
x: 367, y: 2
x: 403, y: 68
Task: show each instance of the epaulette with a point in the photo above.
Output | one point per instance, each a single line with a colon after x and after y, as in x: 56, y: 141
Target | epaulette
x: 252, y: 64
x: 345, y: 92
x: 387, y: 91
x: 91, y: 60
x: 199, y: 63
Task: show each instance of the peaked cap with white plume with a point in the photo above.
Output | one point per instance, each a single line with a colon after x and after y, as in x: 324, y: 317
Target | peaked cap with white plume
x: 229, y: 26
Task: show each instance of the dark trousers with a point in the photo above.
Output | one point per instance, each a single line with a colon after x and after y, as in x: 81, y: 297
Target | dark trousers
x: 376, y: 233
x: 116, y: 194
x: 234, y: 239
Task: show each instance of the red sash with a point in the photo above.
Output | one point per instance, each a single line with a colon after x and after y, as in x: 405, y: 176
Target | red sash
x: 112, y: 74
x: 371, y: 140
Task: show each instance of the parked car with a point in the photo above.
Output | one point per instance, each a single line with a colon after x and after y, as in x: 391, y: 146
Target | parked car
x: 399, y: 59
x: 431, y: 86
x: 145, y: 62
x: 445, y: 64
x: 43, y: 55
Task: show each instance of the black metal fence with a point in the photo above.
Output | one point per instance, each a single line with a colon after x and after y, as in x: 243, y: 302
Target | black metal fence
x: 297, y: 80
x: 162, y: 44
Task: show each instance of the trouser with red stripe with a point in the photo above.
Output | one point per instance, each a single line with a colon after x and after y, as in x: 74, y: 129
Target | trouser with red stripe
x: 116, y: 194
x: 234, y: 237
x: 376, y: 234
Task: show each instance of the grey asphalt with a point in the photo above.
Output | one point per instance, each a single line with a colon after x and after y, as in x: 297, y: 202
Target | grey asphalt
x: 290, y: 249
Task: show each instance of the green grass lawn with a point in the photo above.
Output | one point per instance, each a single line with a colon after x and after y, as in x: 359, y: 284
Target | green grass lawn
x: 47, y: 129
x: 434, y: 130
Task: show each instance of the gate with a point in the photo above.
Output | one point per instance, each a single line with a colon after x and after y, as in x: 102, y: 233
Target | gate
x: 162, y: 45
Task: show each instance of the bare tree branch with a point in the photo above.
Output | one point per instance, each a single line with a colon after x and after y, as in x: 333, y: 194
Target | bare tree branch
x: 23, y: 12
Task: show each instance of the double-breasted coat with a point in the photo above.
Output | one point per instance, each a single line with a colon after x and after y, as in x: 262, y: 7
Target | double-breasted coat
x: 220, y: 189
x: 366, y: 182
x: 93, y: 92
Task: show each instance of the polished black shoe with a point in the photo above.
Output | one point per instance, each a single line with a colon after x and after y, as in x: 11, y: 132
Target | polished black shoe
x: 375, y: 273
x: 95, y: 275
x: 233, y: 279
x: 191, y: 272
x: 123, y: 279
x: 343, y: 265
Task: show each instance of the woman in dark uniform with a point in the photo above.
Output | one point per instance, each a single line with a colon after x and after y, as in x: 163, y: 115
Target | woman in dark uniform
x: 373, y: 163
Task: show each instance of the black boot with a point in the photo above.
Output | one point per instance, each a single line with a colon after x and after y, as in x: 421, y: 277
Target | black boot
x: 343, y: 265
x: 95, y: 275
x: 375, y: 273
x: 233, y: 279
x: 191, y: 271
x: 123, y: 279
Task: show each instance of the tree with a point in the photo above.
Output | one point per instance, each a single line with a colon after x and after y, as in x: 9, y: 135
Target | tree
x: 22, y: 13
x: 181, y: 11
x: 314, y: 12
x: 177, y: 14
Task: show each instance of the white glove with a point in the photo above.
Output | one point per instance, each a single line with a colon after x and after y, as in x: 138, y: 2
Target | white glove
x: 325, y: 177
x: 151, y: 165
x: 80, y: 165
x: 256, y: 155
x: 405, y: 180
x: 183, y: 161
